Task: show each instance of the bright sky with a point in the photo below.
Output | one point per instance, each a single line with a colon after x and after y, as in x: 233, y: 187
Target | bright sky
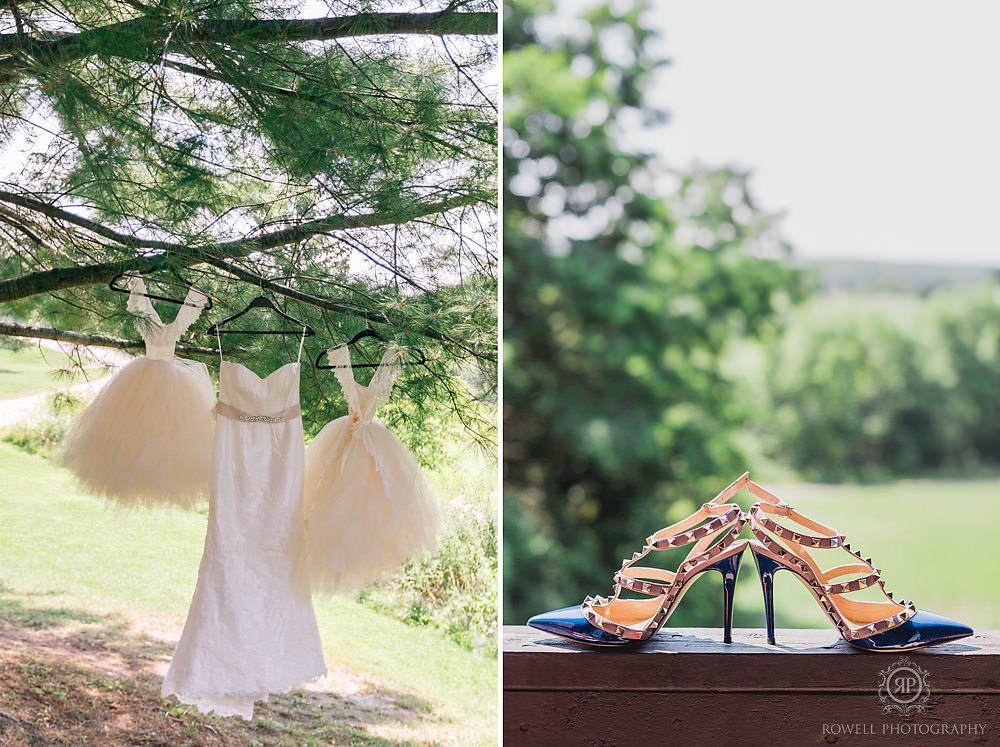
x: 874, y: 125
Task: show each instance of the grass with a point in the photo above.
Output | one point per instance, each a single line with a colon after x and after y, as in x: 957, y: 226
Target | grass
x: 30, y: 370
x: 934, y: 541
x: 63, y: 550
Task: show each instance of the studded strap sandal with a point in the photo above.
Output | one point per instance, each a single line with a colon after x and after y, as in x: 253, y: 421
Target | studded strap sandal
x: 712, y: 532
x: 784, y: 539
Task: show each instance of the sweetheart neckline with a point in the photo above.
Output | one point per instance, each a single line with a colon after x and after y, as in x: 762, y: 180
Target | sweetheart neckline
x: 254, y: 374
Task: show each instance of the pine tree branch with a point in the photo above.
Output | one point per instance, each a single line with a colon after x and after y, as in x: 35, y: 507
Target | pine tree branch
x: 60, y: 278
x: 45, y: 281
x: 327, y: 305
x: 144, y: 36
x: 58, y: 213
x: 307, y: 298
x: 12, y: 329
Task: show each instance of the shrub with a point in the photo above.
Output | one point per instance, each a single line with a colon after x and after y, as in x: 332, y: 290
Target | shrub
x: 455, y: 589
x: 969, y: 332
x: 43, y: 434
x: 868, y: 387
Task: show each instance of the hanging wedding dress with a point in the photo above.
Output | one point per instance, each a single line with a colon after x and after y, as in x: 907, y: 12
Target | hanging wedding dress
x: 251, y: 629
x: 367, y: 507
x: 147, y: 436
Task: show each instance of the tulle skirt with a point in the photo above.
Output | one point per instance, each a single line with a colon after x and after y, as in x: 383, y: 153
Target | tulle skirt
x: 146, y: 439
x: 368, y: 509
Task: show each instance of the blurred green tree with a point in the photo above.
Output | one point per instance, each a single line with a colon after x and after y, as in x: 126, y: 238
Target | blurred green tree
x: 970, y: 339
x: 869, y: 387
x: 853, y: 396
x: 624, y: 283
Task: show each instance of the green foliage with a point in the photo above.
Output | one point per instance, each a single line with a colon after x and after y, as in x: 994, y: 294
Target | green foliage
x: 969, y: 334
x: 624, y: 284
x: 868, y: 388
x: 43, y: 435
x: 161, y: 127
x: 35, y: 437
x: 454, y: 590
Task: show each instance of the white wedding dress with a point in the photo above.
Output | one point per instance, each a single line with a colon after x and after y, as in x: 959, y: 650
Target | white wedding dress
x: 251, y: 629
x: 368, y: 509
x: 147, y: 437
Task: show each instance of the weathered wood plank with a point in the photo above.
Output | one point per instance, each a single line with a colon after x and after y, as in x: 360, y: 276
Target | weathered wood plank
x: 687, y: 687
x: 553, y: 719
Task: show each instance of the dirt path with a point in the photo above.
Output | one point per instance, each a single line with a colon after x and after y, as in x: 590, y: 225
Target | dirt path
x: 21, y: 409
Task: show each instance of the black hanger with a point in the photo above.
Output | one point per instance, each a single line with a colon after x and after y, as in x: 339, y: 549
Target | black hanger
x: 113, y: 285
x: 263, y: 302
x: 360, y: 335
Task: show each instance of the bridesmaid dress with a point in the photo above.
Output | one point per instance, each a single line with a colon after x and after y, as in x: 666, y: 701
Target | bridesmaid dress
x: 368, y: 509
x: 147, y: 436
x: 251, y: 629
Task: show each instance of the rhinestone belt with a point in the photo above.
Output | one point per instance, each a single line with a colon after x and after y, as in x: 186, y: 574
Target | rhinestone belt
x: 234, y: 413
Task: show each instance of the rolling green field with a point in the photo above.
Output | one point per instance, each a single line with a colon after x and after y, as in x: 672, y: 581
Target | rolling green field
x: 31, y: 371
x: 67, y: 556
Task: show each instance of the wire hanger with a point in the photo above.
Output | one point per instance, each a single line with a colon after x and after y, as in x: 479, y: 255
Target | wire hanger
x: 361, y: 335
x: 262, y: 302
x: 113, y: 285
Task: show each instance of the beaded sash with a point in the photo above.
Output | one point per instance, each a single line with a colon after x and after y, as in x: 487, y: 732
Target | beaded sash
x: 234, y: 413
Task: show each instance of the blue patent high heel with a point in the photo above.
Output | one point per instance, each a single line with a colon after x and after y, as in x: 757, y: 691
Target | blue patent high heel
x: 616, y: 620
x: 766, y: 569
x: 570, y: 622
x: 729, y: 567
x: 880, y: 625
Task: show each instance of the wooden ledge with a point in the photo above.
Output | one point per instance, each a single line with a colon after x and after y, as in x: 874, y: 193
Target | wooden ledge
x: 688, y: 687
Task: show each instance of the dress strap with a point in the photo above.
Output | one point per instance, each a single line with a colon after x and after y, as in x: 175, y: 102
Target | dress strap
x: 218, y: 338
x: 390, y: 367
x: 302, y: 341
x: 139, y: 303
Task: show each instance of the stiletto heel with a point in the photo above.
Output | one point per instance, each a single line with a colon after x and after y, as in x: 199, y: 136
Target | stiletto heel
x: 766, y: 569
x: 712, y: 531
x: 880, y: 625
x: 729, y: 567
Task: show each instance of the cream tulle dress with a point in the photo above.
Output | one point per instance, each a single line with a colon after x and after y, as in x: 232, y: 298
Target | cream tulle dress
x: 251, y: 630
x: 147, y: 436
x: 368, y: 509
